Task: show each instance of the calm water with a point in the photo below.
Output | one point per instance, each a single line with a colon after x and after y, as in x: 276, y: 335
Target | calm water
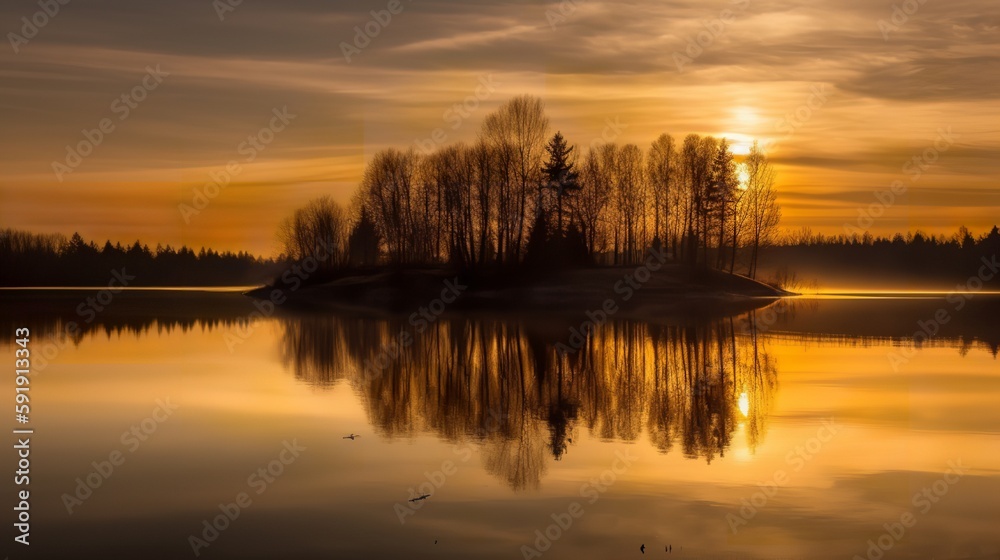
x: 802, y: 430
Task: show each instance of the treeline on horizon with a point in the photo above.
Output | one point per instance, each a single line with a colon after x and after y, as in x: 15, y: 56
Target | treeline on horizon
x: 915, y: 255
x: 34, y: 259
x: 518, y: 197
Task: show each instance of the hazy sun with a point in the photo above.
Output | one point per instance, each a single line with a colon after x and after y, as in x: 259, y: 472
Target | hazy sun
x: 742, y: 175
x: 746, y: 116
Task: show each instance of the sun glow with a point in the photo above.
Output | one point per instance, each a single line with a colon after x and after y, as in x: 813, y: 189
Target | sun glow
x: 739, y: 143
x: 744, y: 404
x: 746, y: 116
x: 742, y: 175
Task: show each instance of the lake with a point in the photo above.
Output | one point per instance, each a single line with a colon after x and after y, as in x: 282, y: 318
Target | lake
x: 174, y: 424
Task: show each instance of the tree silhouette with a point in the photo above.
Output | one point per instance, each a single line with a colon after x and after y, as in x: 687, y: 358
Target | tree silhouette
x: 29, y: 259
x: 538, y: 250
x: 722, y: 195
x: 560, y: 175
x: 363, y: 243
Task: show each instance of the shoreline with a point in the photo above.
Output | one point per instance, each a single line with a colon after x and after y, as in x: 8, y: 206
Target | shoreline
x: 670, y: 289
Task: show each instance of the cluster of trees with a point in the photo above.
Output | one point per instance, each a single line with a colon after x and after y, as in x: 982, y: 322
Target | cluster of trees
x: 517, y: 195
x: 32, y: 259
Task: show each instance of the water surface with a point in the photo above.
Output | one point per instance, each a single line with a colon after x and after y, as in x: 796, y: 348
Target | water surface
x: 796, y: 431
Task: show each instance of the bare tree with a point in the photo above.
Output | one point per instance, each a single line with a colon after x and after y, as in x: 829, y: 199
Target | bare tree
x: 594, y: 201
x: 387, y: 191
x: 517, y: 132
x: 764, y: 214
x: 662, y: 172
x: 631, y: 202
x: 319, y: 229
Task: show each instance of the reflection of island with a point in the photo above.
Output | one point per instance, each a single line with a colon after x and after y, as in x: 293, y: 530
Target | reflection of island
x: 694, y: 387
x: 505, y: 383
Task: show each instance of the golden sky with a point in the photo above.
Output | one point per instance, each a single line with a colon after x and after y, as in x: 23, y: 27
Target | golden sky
x: 846, y: 102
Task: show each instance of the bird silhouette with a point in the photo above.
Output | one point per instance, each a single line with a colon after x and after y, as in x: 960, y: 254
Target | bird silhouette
x: 352, y: 436
x: 418, y: 498
x: 642, y: 549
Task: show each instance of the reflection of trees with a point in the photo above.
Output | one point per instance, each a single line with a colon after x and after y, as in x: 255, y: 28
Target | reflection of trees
x: 692, y: 387
x: 68, y: 316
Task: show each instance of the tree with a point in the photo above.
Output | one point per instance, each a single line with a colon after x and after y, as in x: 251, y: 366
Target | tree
x: 631, y: 202
x: 364, y: 241
x: 560, y: 175
x: 595, y: 198
x: 388, y: 192
x: 516, y: 133
x: 722, y: 195
x: 319, y: 230
x: 539, y: 246
x: 764, y: 214
x: 662, y: 173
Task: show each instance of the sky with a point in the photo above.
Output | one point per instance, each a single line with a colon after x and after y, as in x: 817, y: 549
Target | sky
x: 236, y: 113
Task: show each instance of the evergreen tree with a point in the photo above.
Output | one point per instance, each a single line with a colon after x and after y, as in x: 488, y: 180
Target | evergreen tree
x: 560, y: 175
x: 722, y: 194
x: 363, y: 243
x: 537, y: 252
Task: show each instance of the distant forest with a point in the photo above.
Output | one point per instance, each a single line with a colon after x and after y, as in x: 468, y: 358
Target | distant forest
x: 915, y: 258
x: 31, y: 259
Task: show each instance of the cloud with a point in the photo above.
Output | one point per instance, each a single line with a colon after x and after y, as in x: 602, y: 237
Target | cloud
x: 598, y: 60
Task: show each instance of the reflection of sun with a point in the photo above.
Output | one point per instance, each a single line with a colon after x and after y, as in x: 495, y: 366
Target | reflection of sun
x: 744, y: 404
x: 743, y: 176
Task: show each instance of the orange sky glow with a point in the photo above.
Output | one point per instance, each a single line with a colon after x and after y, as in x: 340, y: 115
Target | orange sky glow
x: 843, y: 103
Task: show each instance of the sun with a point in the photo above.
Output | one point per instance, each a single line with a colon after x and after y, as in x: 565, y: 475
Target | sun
x: 743, y: 121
